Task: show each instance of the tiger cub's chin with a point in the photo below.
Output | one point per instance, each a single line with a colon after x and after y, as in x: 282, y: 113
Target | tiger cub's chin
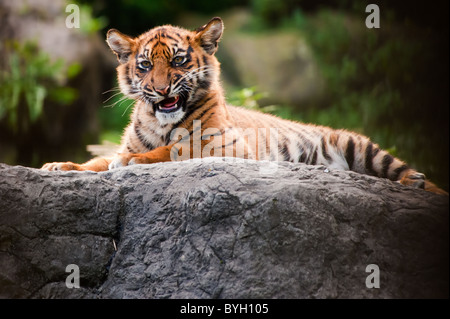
x: 174, y: 117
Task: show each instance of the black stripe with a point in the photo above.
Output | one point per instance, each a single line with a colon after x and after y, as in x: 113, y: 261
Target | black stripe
x: 166, y: 54
x: 207, y: 118
x: 375, y: 152
x: 130, y: 150
x: 194, y: 107
x: 368, y: 160
x: 201, y: 115
x: 152, y: 131
x: 324, y: 149
x: 176, y: 77
x: 197, y: 98
x: 314, y: 157
x: 302, y: 157
x: 166, y: 138
x: 204, y: 84
x: 385, y: 164
x: 308, y: 145
x: 209, y: 98
x: 143, y: 141
x: 189, y: 111
x: 169, y: 37
x: 147, y: 89
x: 180, y: 81
x: 285, y: 151
x: 207, y: 108
x: 231, y: 143
x: 189, y: 56
x: 208, y: 136
x: 151, y: 40
x: 129, y: 81
x: 398, y: 171
x: 174, y: 49
x: 350, y: 152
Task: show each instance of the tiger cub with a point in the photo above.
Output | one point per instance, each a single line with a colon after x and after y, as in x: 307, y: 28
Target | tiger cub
x: 173, y: 76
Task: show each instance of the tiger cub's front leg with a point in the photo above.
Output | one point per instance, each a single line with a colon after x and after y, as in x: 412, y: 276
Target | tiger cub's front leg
x: 159, y: 154
x: 97, y: 165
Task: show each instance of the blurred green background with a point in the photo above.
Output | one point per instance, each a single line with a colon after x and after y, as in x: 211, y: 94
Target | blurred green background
x: 300, y: 59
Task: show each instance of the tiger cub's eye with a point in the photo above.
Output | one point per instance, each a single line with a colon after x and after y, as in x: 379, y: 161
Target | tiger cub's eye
x: 178, y: 60
x: 145, y: 64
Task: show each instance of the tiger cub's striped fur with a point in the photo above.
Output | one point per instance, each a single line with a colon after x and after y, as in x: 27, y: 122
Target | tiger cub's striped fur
x: 173, y: 76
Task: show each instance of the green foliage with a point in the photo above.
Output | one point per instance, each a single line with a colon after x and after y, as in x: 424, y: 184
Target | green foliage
x: 91, y: 24
x: 32, y: 77
x: 248, y: 98
x: 135, y: 16
x: 115, y: 116
x: 269, y: 12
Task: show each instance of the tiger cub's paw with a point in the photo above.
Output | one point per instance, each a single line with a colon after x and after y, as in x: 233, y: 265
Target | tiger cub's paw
x: 413, y: 179
x: 65, y: 166
x: 127, y: 159
x: 418, y: 180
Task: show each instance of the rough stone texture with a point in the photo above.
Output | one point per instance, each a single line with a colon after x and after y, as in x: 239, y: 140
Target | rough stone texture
x: 219, y: 229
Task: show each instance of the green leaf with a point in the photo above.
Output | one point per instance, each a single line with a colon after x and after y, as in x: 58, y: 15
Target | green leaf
x: 63, y: 95
x: 29, y: 79
x: 73, y: 70
x: 35, y: 101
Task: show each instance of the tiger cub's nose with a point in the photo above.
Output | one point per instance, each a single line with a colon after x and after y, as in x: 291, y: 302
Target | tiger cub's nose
x: 163, y: 91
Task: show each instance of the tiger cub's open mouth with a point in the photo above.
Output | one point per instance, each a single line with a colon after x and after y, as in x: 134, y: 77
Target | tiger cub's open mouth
x: 170, y: 104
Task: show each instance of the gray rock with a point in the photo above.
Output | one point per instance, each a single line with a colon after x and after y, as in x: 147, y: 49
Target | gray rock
x: 219, y: 228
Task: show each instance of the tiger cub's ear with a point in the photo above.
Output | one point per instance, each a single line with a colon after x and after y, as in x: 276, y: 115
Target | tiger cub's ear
x: 209, y: 35
x: 121, y: 44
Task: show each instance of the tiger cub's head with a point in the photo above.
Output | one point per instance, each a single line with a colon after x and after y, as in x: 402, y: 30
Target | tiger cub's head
x: 168, y: 68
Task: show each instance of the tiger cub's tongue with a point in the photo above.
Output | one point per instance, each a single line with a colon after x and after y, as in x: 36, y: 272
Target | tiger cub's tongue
x: 170, y: 102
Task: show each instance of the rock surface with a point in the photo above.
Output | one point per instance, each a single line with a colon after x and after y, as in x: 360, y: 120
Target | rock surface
x: 219, y: 229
